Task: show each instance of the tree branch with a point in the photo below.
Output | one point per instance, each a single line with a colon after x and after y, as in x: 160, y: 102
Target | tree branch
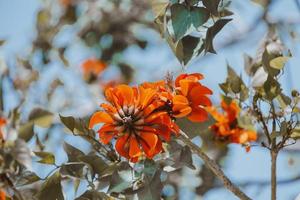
x: 273, y: 174
x: 214, y: 167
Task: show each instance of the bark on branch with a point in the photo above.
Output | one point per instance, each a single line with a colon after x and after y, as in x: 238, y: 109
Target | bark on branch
x: 214, y: 167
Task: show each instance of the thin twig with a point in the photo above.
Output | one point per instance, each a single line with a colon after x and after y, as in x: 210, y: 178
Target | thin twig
x: 214, y: 167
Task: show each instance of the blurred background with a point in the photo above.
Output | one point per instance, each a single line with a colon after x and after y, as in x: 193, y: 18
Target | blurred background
x: 50, y: 46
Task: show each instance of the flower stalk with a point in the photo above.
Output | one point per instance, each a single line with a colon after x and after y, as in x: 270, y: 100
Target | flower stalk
x: 214, y: 167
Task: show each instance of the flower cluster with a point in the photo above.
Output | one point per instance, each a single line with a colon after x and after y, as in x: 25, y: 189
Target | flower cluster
x: 92, y: 67
x: 142, y: 118
x: 226, y: 127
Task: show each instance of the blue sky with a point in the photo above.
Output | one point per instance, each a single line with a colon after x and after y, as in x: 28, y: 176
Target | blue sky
x: 17, y: 21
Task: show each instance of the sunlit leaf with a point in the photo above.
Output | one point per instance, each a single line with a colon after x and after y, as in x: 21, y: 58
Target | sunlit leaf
x: 41, y: 117
x: 46, y: 157
x: 279, y: 62
x: 159, y: 7
x: 245, y: 121
x: 26, y: 131
x: 69, y: 122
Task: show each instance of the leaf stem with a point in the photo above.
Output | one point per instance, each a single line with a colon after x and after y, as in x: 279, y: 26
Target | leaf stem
x: 214, y: 167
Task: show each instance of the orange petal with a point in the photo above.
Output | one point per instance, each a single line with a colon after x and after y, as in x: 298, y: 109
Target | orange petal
x: 149, y: 141
x: 198, y: 115
x: 154, y: 116
x: 196, y: 97
x: 252, y: 135
x: 100, y: 117
x: 134, y: 148
x: 106, y: 133
x: 2, y: 195
x: 109, y: 108
x: 122, y: 145
x: 126, y: 94
x: 185, y: 86
x: 182, y: 112
x: 146, y: 96
x: 153, y: 106
x: 214, y: 113
x: 181, y: 106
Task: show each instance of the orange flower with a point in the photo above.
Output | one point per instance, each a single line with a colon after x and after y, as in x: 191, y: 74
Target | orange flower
x: 226, y: 126
x: 92, y: 68
x: 136, y: 118
x: 191, y: 98
x: 2, y: 195
x: 2, y: 124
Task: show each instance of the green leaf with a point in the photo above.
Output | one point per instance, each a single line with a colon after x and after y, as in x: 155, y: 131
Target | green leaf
x: 159, y: 7
x: 283, y: 100
x: 2, y: 42
x: 97, y: 165
x: 279, y: 62
x: 76, y: 185
x: 51, y: 189
x: 234, y: 80
x: 117, y: 184
x: 245, y: 122
x: 266, y: 60
x: 187, y: 48
x: 186, y: 157
x: 150, y: 167
x: 271, y: 88
x: 212, y: 6
x: 193, y: 129
x: 185, y: 20
x: 211, y: 34
x: 283, y: 128
x: 26, y: 131
x: 93, y: 195
x: 263, y: 3
x: 296, y: 133
x: 72, y: 152
x: 152, y: 188
x: 46, y: 157
x: 72, y: 169
x: 41, y: 117
x: 27, y: 178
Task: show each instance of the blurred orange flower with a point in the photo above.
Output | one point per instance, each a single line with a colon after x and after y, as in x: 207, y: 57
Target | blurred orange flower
x: 226, y: 126
x: 92, y: 68
x: 2, y: 195
x: 191, y: 98
x: 2, y: 124
x: 136, y: 118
